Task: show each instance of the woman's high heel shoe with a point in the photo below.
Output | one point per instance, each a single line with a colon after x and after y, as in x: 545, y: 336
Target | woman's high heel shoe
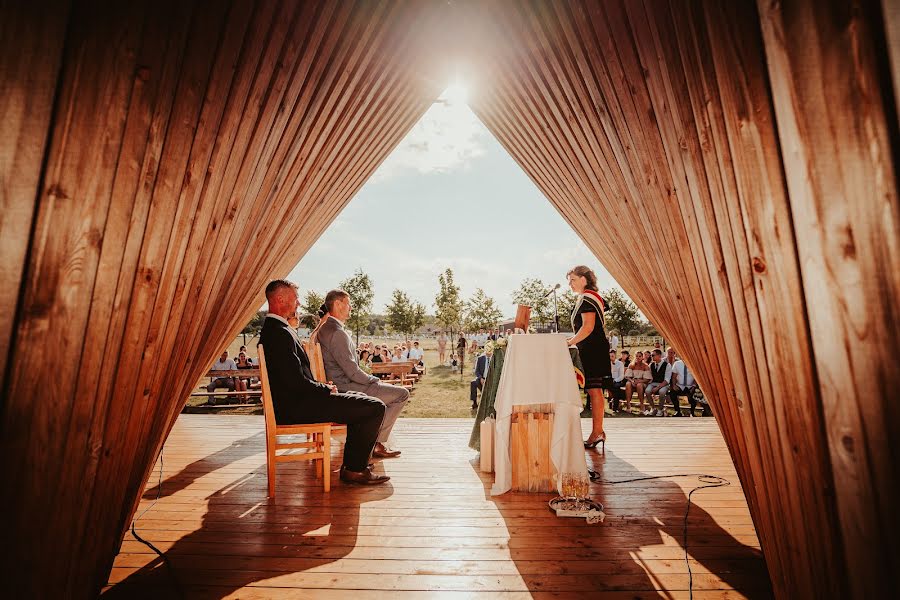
x: 600, y: 440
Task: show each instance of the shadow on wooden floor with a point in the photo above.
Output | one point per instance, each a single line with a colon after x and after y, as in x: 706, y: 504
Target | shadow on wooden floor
x: 239, y: 525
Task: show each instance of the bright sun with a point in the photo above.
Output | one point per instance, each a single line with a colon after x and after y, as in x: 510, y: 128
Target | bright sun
x: 456, y: 93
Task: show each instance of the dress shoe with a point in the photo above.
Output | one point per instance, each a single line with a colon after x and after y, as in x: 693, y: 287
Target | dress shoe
x: 382, y: 451
x: 366, y: 477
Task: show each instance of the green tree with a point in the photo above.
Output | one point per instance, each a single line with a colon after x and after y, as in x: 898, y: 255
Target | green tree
x: 362, y: 292
x: 403, y: 315
x: 254, y: 326
x: 481, y: 311
x: 309, y: 308
x: 566, y: 306
x: 533, y: 293
x: 621, y: 313
x: 376, y: 324
x: 449, y: 306
x: 417, y: 318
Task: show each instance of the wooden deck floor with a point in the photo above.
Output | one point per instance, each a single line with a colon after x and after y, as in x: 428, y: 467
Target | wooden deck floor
x: 434, y: 530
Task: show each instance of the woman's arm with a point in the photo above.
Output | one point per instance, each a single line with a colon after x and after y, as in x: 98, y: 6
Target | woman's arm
x: 587, y: 326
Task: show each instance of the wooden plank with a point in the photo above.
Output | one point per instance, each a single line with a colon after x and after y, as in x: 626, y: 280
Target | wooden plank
x: 232, y: 535
x: 31, y: 45
x: 827, y: 76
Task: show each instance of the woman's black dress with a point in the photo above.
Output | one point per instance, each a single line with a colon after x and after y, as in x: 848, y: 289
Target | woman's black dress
x: 594, y: 349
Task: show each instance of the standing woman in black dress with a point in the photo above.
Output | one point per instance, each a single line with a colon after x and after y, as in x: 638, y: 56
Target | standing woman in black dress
x: 593, y: 347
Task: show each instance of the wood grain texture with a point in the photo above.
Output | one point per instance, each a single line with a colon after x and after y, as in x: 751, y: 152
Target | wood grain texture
x: 652, y: 123
x: 835, y: 121
x: 186, y: 134
x: 31, y: 51
x: 422, y: 535
x: 162, y: 160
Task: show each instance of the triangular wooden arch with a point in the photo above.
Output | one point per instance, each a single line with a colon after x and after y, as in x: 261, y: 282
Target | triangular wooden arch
x: 161, y: 161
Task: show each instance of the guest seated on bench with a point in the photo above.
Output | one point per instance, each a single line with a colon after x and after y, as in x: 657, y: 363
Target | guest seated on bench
x: 398, y: 355
x: 637, y: 377
x: 342, y: 367
x: 298, y: 398
x: 418, y: 355
x: 223, y: 364
x: 617, y: 390
x: 365, y: 359
x: 244, y: 362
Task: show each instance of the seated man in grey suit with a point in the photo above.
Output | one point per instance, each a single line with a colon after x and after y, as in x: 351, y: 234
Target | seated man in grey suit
x: 342, y: 368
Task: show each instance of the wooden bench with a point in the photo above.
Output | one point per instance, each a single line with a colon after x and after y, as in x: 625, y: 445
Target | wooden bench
x: 634, y: 402
x: 255, y: 392
x: 400, y: 373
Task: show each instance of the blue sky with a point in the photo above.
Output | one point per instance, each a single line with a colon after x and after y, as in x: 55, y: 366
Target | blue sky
x: 448, y: 196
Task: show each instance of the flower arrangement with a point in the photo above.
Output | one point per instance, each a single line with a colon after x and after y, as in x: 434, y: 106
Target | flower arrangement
x: 492, y: 345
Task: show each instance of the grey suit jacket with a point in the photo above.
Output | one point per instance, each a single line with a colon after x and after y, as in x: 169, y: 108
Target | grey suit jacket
x: 339, y: 356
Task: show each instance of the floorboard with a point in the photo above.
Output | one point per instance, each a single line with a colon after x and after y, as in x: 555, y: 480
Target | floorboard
x: 434, y: 531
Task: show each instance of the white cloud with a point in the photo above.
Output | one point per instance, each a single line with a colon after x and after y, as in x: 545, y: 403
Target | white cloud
x: 446, y: 138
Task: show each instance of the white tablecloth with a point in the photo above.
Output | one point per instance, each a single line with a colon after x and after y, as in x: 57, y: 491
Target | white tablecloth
x: 538, y: 370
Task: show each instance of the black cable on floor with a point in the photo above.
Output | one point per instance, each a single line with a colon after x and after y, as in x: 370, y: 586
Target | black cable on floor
x: 169, y: 568
x: 711, y: 481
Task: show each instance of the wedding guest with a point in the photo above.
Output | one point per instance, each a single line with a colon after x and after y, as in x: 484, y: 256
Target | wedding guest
x: 222, y: 364
x: 590, y: 338
x: 398, y: 355
x: 243, y: 362
x: 461, y: 350
x: 660, y: 372
x: 637, y: 376
x: 477, y: 384
x: 625, y: 357
x: 664, y: 391
x: 364, y: 359
x: 617, y: 390
x: 682, y: 383
x: 442, y: 348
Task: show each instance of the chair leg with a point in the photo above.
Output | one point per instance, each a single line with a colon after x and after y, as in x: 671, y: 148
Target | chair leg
x: 326, y: 459
x: 318, y: 448
x: 270, y: 472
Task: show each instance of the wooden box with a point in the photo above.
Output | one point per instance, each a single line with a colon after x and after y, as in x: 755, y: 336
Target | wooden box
x: 487, y: 445
x: 529, y: 443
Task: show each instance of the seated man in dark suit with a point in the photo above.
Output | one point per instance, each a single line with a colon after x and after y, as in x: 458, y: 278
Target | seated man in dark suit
x: 298, y: 398
x: 477, y: 384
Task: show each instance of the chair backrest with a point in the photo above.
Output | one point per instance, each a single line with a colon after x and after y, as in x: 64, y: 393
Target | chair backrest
x: 314, y: 351
x: 268, y: 409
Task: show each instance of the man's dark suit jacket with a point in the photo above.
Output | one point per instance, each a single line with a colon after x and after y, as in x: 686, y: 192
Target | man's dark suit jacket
x: 290, y: 376
x: 481, y: 365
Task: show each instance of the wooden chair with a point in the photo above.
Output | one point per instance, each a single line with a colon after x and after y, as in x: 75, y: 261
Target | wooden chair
x: 314, y: 352
x: 318, y: 437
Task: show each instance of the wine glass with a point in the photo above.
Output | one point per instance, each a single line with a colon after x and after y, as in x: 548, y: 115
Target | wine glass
x: 580, y: 489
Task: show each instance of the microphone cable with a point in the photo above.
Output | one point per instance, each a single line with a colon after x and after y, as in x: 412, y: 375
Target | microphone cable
x: 708, y: 481
x: 165, y: 559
